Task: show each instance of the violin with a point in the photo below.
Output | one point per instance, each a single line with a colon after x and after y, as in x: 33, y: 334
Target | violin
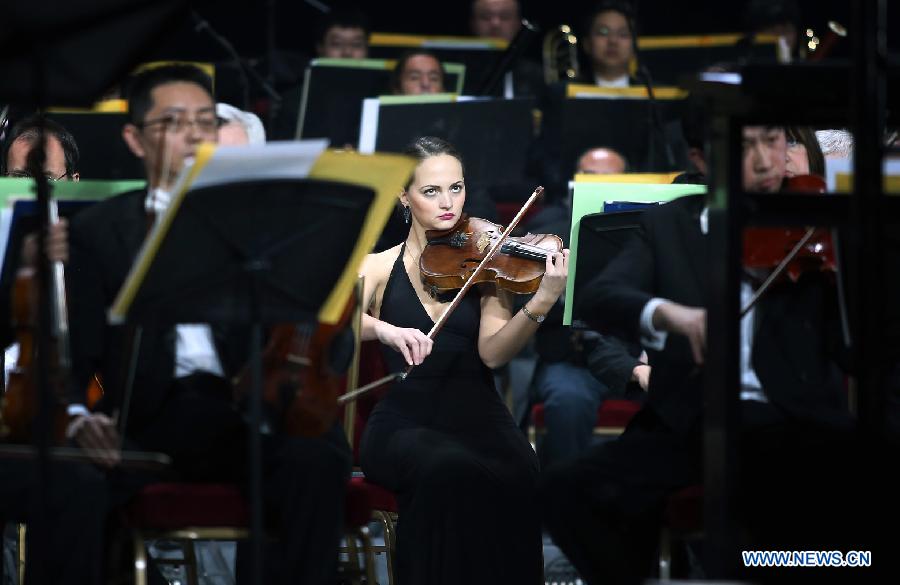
x: 304, y: 367
x: 785, y: 254
x: 450, y: 257
x: 22, y: 401
x: 767, y: 248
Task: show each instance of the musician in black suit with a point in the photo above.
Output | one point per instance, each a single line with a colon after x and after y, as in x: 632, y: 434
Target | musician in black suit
x: 502, y: 19
x: 181, y: 403
x: 604, y: 510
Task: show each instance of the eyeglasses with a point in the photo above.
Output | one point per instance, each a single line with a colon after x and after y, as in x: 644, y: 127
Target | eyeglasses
x: 603, y: 31
x: 20, y: 174
x: 178, y: 124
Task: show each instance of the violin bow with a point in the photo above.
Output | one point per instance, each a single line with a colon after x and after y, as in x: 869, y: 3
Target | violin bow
x: 354, y: 394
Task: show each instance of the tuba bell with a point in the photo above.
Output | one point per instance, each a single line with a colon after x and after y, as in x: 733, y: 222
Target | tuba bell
x: 560, y: 55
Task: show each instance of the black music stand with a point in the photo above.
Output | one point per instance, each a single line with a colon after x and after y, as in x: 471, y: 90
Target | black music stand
x: 493, y: 135
x: 333, y: 92
x: 601, y: 237
x: 261, y: 252
x: 478, y: 57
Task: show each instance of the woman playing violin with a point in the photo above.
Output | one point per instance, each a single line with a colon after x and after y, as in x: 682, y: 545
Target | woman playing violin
x: 442, y: 439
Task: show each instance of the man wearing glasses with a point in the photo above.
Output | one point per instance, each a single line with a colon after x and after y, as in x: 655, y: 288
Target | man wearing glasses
x: 181, y: 401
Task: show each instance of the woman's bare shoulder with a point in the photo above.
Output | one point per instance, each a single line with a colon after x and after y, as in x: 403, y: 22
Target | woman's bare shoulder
x: 378, y: 265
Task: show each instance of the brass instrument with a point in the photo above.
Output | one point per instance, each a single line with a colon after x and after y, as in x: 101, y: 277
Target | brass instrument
x: 560, y: 55
x: 817, y: 50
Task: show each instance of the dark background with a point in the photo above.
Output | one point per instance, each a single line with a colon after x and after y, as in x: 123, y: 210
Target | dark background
x: 246, y: 23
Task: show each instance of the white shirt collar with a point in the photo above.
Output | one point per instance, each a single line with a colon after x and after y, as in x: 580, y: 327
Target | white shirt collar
x: 157, y: 201
x: 617, y: 82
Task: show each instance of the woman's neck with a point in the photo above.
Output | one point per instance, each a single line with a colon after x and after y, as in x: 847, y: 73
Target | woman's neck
x: 415, y: 241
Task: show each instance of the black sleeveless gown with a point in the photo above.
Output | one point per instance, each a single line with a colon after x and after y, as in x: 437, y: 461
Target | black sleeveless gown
x: 446, y: 445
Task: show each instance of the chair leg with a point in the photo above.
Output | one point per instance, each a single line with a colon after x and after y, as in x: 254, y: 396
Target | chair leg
x: 190, y: 561
x: 665, y: 554
x: 20, y: 529
x: 353, y: 557
x: 369, y: 554
x: 140, y: 558
x: 387, y: 523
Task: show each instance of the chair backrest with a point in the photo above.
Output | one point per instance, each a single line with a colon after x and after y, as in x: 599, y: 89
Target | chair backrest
x: 368, y: 366
x: 371, y: 368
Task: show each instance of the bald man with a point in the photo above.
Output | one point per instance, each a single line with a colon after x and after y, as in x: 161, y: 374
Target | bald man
x: 602, y: 161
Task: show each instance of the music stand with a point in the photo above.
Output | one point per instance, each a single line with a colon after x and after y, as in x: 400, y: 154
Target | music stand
x: 263, y: 251
x: 102, y: 152
x: 601, y: 237
x: 493, y: 135
x: 585, y: 121
x: 334, y: 90
x: 672, y: 58
x: 591, y: 197
x: 478, y: 55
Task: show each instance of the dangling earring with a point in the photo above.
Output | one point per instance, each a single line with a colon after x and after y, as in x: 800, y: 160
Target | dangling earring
x: 406, y: 214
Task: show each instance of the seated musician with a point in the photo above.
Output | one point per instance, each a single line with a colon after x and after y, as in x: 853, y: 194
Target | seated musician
x: 60, y: 150
x: 609, y: 44
x: 342, y: 34
x: 442, y: 439
x: 577, y: 370
x: 604, y: 509
x: 417, y: 72
x: 181, y: 402
x: 502, y: 19
x: 804, y: 155
x: 75, y: 491
x: 238, y: 127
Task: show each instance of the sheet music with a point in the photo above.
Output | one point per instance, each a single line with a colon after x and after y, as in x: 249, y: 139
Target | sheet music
x: 273, y: 160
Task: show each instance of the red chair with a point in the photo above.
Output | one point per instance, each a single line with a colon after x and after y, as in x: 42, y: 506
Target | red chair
x: 185, y: 512
x: 383, y: 503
